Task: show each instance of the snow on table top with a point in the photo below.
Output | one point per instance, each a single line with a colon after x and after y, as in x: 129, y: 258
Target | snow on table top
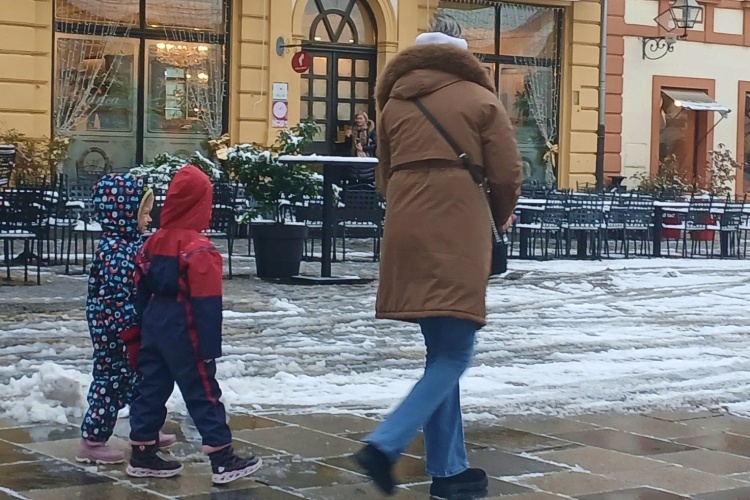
x: 327, y: 159
x: 567, y: 337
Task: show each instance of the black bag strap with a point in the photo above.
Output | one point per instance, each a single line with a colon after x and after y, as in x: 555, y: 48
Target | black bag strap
x: 465, y: 160
x: 478, y: 178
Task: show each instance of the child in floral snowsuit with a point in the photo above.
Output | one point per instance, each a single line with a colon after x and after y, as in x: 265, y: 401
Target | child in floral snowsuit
x: 123, y: 205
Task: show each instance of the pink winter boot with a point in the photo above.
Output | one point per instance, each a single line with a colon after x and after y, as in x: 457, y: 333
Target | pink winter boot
x: 92, y: 452
x: 166, y: 441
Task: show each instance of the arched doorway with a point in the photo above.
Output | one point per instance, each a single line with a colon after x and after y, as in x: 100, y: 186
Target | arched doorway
x: 341, y: 36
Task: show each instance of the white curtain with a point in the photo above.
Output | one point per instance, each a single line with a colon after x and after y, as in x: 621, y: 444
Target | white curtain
x: 538, y: 30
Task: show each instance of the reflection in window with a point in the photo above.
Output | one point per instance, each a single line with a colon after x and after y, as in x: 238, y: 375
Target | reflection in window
x: 525, y: 92
x: 746, y: 160
x: 94, y: 84
x: 477, y: 25
x: 185, y: 88
x: 116, y: 12
x: 519, y: 47
x: 205, y: 15
x: 528, y: 31
x: 97, y: 70
x: 677, y: 135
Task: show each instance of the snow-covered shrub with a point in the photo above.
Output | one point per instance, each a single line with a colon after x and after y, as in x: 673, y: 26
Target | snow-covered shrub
x: 161, y: 170
x: 271, y: 183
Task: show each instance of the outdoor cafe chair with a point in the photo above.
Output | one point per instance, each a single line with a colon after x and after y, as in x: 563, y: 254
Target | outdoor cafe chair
x: 7, y: 163
x: 586, y: 220
x: 361, y: 217
x: 632, y: 220
x: 22, y: 214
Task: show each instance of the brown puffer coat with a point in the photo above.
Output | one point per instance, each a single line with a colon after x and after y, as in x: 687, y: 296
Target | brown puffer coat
x: 437, y: 246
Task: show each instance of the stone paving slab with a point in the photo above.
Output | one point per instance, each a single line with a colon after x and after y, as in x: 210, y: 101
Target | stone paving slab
x: 590, y: 457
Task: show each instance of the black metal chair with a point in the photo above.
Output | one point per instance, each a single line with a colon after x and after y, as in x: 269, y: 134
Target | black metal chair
x: 7, y: 163
x: 586, y: 219
x: 730, y: 227
x: 631, y: 219
x: 223, y: 221
x: 311, y: 214
x: 22, y: 213
x: 361, y: 217
x: 547, y: 223
x: 81, y: 209
x: 700, y: 223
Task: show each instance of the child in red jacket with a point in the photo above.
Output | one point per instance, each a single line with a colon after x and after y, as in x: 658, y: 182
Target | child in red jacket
x: 179, y: 281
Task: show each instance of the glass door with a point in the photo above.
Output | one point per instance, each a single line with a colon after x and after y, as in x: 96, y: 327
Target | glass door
x: 338, y: 86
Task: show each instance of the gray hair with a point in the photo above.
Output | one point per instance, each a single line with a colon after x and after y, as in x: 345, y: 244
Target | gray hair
x: 443, y: 23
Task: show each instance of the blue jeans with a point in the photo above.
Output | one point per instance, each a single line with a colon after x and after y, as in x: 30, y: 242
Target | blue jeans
x: 434, y: 404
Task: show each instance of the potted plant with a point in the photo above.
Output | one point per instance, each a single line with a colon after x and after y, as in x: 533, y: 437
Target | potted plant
x: 668, y: 182
x: 719, y: 182
x: 279, y: 243
x: 36, y: 158
x: 162, y: 169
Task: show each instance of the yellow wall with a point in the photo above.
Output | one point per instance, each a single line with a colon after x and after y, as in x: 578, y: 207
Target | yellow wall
x: 26, y: 58
x: 26, y: 66
x: 581, y: 84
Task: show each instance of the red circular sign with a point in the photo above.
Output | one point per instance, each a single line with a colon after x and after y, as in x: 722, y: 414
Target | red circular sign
x: 301, y: 62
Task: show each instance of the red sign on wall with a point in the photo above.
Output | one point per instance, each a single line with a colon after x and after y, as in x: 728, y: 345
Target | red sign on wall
x: 301, y: 62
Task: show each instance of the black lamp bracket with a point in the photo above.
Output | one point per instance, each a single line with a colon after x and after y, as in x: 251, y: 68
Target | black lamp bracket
x: 284, y: 46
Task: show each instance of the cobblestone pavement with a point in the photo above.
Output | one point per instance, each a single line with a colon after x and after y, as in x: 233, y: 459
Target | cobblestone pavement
x: 661, y: 456
x: 626, y: 341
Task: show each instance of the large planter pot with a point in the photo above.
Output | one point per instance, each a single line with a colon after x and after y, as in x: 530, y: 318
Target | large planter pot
x: 671, y: 234
x: 703, y: 235
x: 278, y: 249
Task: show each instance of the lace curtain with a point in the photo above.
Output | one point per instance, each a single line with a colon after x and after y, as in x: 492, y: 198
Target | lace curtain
x: 539, y: 31
x: 203, y: 22
x: 89, y: 61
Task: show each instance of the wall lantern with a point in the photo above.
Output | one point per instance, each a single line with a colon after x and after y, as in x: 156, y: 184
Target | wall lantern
x: 684, y: 14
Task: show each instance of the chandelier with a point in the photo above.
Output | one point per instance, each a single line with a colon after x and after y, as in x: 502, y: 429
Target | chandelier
x: 181, y: 56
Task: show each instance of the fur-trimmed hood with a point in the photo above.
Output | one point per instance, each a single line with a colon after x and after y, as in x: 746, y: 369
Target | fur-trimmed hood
x: 423, y: 69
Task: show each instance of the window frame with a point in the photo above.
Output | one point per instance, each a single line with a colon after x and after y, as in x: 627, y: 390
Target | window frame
x: 144, y: 33
x: 703, y: 130
x: 742, y: 151
x: 498, y: 59
x: 324, y: 15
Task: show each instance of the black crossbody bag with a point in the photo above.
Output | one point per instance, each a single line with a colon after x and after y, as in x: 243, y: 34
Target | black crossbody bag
x: 499, y: 247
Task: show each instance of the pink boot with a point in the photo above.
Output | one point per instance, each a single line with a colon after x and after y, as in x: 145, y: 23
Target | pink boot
x: 92, y: 452
x: 166, y: 441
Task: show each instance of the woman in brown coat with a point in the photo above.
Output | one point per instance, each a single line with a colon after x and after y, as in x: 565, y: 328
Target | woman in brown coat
x: 437, y: 246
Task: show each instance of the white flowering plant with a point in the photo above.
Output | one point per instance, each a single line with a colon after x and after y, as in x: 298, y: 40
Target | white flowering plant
x: 161, y: 170
x: 271, y: 183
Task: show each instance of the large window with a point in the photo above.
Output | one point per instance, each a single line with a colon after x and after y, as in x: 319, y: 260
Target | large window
x: 520, y: 47
x: 745, y: 139
x: 678, y: 137
x: 685, y: 115
x: 136, y: 78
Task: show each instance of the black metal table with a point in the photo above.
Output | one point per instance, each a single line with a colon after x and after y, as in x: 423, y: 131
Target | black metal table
x: 329, y: 164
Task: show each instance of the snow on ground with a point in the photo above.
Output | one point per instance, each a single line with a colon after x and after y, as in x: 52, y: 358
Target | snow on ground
x: 564, y: 337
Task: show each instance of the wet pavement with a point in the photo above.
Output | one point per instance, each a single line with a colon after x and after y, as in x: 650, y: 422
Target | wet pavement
x: 572, y: 340
x: 659, y: 456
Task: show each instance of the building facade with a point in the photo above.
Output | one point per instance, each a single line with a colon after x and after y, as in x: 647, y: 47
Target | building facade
x: 130, y: 79
x: 683, y: 103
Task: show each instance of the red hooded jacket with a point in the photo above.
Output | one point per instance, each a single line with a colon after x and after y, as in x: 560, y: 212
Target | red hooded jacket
x: 179, y: 272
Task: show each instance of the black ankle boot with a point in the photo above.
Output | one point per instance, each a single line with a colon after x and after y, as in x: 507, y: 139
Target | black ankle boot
x: 146, y: 462
x: 228, y: 467
x: 376, y: 465
x: 468, y: 482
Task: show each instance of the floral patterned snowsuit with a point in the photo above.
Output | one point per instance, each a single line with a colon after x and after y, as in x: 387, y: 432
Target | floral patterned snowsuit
x: 110, y: 308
